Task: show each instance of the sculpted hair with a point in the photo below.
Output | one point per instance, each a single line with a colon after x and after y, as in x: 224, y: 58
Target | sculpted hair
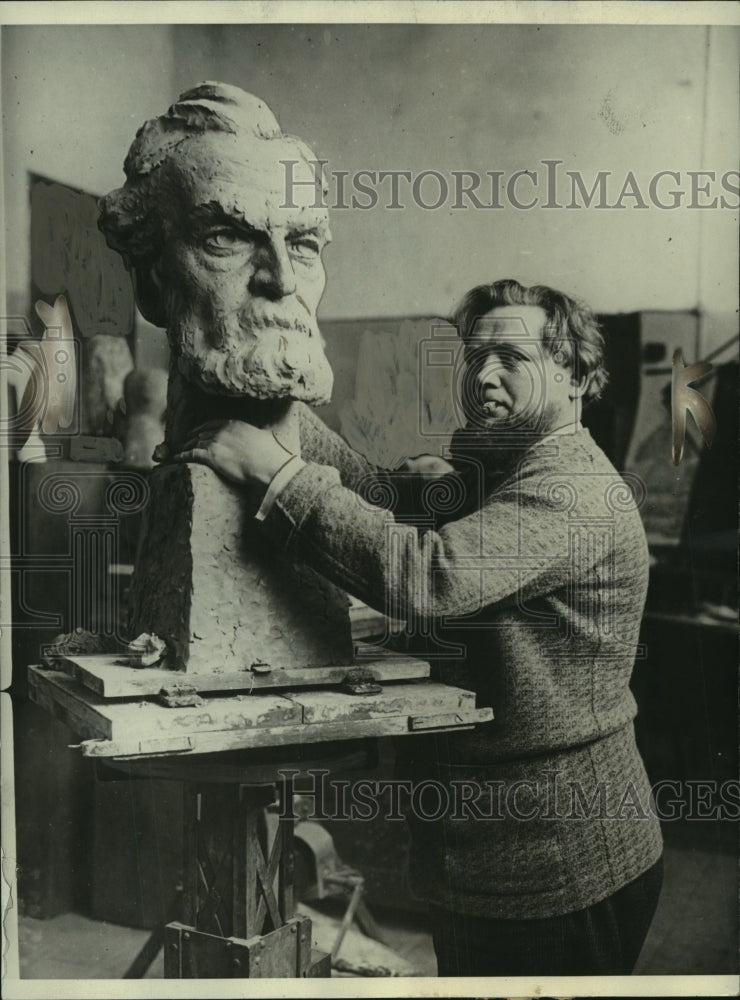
x: 132, y: 217
x: 571, y: 329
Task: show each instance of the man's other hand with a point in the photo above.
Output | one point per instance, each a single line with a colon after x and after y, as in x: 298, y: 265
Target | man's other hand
x: 427, y: 466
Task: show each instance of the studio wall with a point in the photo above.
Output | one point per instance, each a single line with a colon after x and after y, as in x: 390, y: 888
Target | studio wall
x: 500, y: 98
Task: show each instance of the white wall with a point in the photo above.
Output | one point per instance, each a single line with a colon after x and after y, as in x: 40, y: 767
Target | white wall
x: 72, y: 100
x: 499, y: 97
x: 406, y: 97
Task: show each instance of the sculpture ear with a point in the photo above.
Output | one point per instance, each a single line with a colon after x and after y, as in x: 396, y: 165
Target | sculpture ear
x: 149, y: 294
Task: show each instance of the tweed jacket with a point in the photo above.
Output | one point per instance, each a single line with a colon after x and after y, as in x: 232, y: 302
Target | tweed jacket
x: 527, y: 585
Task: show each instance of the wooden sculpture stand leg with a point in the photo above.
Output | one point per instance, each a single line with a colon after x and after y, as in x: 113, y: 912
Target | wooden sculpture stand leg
x: 238, y: 906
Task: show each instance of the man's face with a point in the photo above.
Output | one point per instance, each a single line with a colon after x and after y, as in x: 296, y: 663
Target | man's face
x: 241, y: 276
x: 512, y: 385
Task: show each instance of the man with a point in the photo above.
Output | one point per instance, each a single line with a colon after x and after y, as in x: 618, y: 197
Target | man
x: 549, y: 861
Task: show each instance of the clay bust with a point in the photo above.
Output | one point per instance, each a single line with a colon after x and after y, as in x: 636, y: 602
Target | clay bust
x: 216, y: 258
x: 231, y: 265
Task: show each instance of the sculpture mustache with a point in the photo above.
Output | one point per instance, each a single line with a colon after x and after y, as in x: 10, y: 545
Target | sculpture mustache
x: 256, y: 316
x: 261, y: 316
x: 266, y: 319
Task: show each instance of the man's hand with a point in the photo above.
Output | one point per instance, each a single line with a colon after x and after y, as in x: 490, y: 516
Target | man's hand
x: 427, y: 466
x: 238, y: 451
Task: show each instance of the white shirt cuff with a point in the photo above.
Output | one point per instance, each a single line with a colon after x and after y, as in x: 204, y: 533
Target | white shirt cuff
x: 278, y: 483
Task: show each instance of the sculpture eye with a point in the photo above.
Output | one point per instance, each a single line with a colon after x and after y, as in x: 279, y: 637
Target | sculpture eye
x: 223, y: 241
x: 305, y: 247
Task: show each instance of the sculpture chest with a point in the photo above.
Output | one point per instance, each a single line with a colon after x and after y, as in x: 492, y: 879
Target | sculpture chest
x: 220, y: 596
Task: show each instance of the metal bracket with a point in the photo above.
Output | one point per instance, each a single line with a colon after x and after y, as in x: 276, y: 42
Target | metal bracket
x: 418, y: 722
x: 284, y: 953
x: 179, y: 696
x: 361, y: 681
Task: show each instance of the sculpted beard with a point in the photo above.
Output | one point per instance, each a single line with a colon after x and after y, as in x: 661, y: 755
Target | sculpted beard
x: 266, y: 352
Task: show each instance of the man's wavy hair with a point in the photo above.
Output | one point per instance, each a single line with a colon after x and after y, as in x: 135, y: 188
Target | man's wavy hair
x: 571, y: 330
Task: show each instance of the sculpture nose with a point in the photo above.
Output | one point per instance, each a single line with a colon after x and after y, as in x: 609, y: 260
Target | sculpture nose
x: 273, y: 275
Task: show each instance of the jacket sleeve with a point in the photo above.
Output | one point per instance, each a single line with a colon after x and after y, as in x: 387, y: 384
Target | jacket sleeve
x: 392, y: 489
x: 516, y: 545
x: 321, y: 445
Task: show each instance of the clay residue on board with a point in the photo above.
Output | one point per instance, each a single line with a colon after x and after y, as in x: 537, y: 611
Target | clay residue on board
x: 80, y: 642
x: 145, y: 650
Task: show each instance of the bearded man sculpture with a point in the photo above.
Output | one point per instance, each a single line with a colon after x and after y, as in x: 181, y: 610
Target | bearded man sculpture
x: 232, y: 267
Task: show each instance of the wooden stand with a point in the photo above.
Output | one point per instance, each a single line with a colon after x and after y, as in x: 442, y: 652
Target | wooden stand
x: 238, y: 886
x: 228, y: 749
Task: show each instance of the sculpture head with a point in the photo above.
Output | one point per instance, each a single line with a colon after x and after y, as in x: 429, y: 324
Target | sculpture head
x: 219, y: 255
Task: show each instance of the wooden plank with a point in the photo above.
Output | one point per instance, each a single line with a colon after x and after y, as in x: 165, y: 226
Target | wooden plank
x: 286, y: 870
x: 208, y: 956
x: 61, y: 699
x: 141, y: 728
x: 145, y: 720
x: 303, y: 958
x: 367, y: 622
x: 418, y: 723
x: 275, y: 955
x: 240, y: 863
x: 320, y: 965
x: 191, y: 810
x: 211, y: 767
x: 215, y: 742
x: 104, y: 675
x: 173, y: 950
x: 418, y: 699
x: 252, y: 847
